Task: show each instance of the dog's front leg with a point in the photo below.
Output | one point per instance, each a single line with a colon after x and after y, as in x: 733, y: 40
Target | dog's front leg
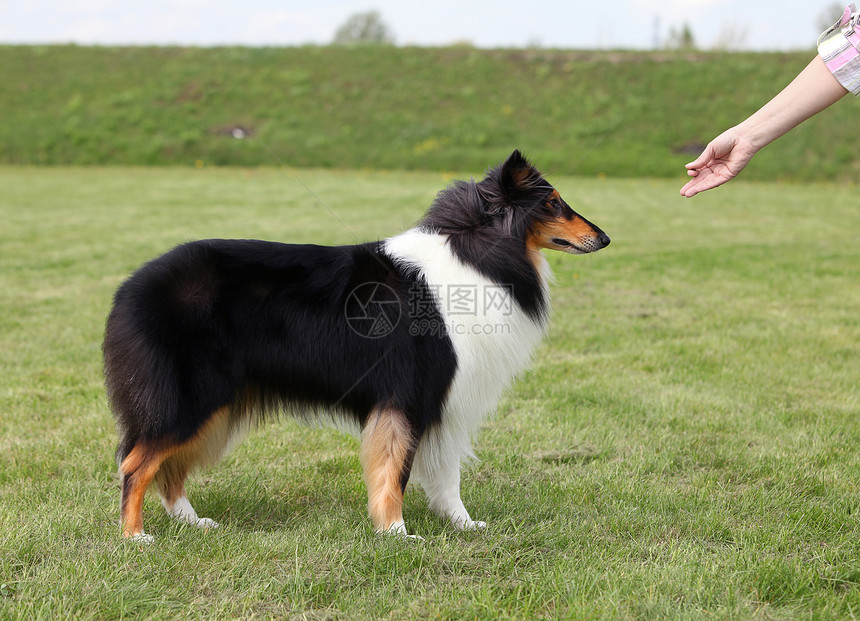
x: 387, y: 451
x: 443, y: 494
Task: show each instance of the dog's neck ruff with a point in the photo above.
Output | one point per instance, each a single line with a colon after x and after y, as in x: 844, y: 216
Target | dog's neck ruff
x: 492, y: 336
x: 467, y: 299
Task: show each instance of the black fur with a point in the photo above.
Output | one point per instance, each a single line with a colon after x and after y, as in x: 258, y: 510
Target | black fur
x: 263, y: 327
x: 214, y: 323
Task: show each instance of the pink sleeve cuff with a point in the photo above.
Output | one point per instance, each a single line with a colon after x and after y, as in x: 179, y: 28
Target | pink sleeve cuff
x: 838, y: 47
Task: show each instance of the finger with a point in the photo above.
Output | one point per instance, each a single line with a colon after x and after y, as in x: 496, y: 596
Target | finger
x: 706, y: 156
x: 700, y: 184
x: 688, y: 190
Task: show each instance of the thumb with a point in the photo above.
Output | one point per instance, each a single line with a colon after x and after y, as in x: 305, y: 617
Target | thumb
x: 706, y: 156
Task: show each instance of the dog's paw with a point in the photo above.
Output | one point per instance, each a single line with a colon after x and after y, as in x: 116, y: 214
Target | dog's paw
x: 141, y: 538
x: 467, y: 524
x: 399, y: 530
x: 205, y: 523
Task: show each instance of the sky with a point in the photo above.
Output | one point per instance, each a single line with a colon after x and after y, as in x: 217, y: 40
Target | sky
x: 600, y: 24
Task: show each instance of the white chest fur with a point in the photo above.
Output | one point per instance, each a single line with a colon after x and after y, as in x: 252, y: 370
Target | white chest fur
x: 493, y: 338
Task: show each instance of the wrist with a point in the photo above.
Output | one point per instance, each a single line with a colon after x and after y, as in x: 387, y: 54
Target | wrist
x: 751, y: 135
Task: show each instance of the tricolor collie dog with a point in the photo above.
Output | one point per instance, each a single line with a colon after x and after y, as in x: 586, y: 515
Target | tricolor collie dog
x: 410, y: 340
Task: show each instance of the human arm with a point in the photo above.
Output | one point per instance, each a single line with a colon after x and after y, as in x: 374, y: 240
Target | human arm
x: 813, y: 90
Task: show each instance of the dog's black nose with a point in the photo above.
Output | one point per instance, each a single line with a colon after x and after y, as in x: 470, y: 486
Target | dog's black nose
x: 603, y: 238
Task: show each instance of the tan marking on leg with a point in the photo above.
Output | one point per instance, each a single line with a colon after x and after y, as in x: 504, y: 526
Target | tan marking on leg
x: 205, y: 448
x: 169, y: 466
x: 387, y: 447
x: 138, y: 470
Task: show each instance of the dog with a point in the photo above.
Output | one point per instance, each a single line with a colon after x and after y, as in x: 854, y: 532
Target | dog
x: 409, y: 341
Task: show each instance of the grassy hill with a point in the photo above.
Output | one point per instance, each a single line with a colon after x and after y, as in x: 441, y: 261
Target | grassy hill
x: 622, y: 114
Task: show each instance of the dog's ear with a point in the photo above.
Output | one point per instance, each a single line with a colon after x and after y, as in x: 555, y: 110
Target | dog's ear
x: 518, y: 175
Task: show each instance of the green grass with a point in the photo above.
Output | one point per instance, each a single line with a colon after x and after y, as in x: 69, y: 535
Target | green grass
x: 622, y: 114
x: 686, y: 446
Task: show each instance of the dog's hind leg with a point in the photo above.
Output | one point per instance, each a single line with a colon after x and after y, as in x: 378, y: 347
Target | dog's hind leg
x: 137, y: 470
x: 171, y: 488
x: 206, y: 447
x: 387, y: 450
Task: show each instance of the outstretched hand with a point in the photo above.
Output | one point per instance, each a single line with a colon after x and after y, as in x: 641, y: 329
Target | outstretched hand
x: 809, y: 93
x: 723, y: 158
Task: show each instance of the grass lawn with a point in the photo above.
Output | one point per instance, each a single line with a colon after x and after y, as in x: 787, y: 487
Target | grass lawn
x: 686, y: 445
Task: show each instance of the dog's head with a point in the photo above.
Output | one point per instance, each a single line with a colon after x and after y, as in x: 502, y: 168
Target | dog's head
x: 513, y: 207
x: 528, y: 207
x: 499, y: 224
